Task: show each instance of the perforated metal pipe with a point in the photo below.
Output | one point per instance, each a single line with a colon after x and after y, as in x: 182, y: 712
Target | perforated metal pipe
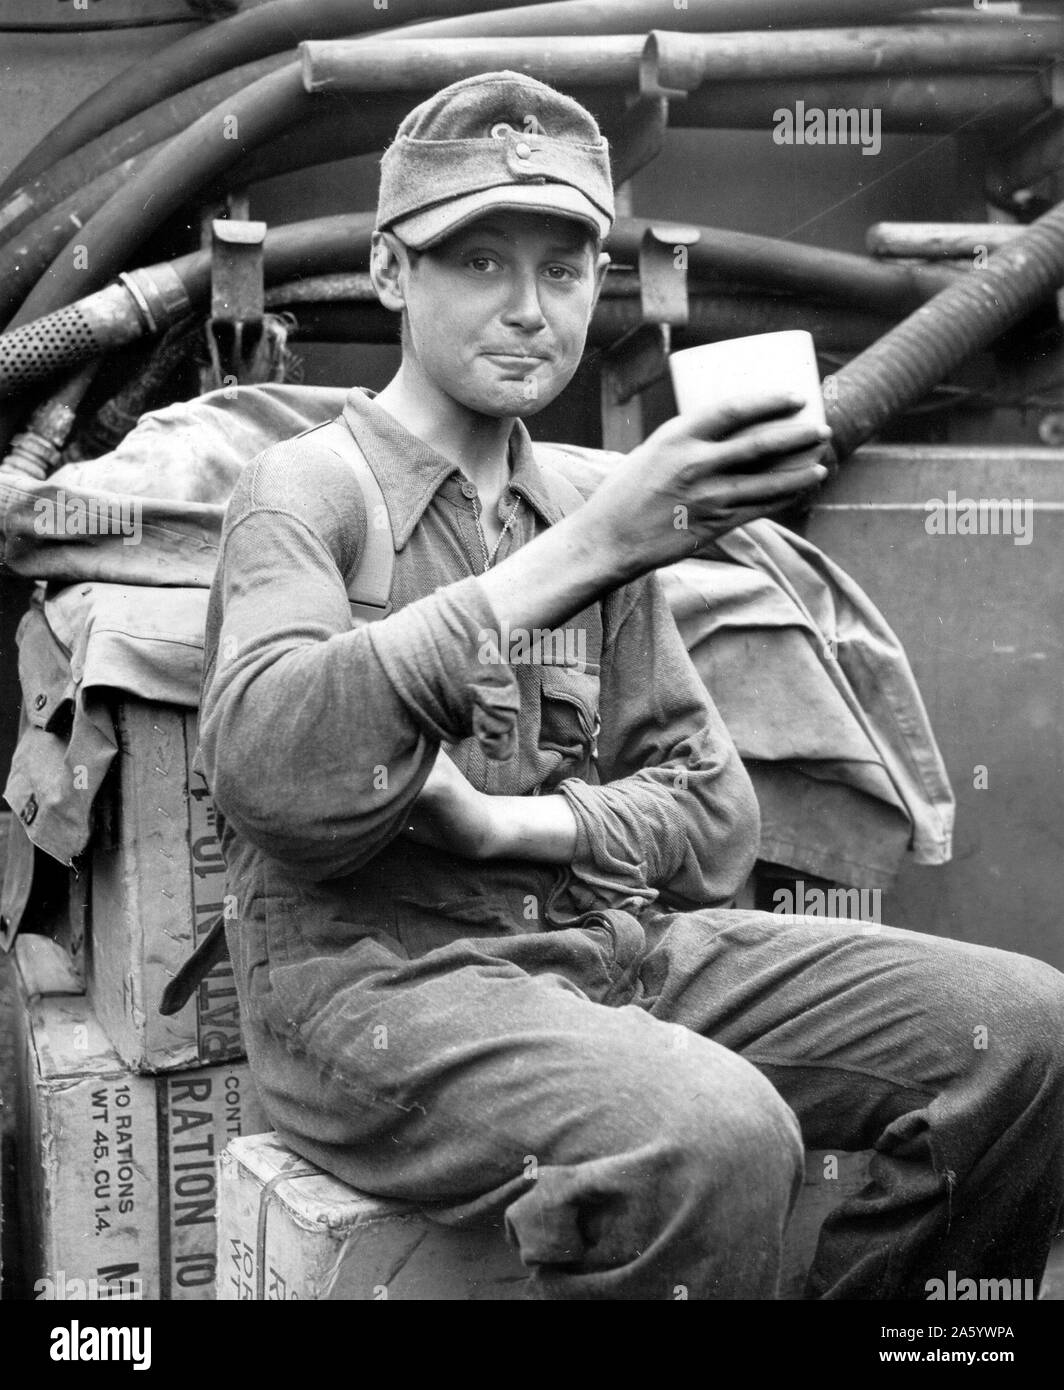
x: 142, y: 301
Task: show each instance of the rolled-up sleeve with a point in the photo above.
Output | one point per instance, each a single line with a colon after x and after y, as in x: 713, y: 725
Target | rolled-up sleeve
x: 675, y: 813
x: 315, y: 734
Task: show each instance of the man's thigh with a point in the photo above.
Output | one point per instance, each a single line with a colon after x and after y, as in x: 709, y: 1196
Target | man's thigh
x: 458, y: 1077
x: 855, y: 1024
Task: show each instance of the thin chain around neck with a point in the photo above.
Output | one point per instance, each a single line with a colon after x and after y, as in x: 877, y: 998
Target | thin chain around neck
x: 489, y: 560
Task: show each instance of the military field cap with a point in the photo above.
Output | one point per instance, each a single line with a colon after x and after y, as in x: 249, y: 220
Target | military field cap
x: 497, y: 140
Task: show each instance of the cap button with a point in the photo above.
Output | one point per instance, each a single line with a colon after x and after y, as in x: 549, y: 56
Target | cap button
x: 523, y: 151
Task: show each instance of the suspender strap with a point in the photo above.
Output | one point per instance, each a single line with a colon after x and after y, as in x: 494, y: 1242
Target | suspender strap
x: 370, y: 590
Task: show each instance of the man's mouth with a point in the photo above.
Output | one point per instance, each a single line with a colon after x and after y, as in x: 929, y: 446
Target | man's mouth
x: 518, y: 358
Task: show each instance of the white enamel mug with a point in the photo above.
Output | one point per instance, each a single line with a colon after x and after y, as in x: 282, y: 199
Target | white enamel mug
x: 746, y: 367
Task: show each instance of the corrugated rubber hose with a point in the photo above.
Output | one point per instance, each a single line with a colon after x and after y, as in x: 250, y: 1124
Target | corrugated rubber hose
x: 901, y: 367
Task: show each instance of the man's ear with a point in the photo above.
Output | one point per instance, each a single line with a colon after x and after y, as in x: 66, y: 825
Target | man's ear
x: 387, y: 269
x: 601, y: 266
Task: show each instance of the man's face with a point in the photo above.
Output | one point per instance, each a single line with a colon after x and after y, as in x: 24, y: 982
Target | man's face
x: 498, y: 313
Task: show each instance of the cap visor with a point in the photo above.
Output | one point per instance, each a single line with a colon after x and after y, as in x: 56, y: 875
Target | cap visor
x: 425, y: 229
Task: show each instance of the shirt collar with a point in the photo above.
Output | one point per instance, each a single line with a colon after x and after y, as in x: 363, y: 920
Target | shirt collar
x: 410, y: 472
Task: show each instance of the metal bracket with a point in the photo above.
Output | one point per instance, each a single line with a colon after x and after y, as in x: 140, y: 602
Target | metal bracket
x: 641, y: 357
x: 238, y: 298
x: 663, y: 273
x: 669, y: 65
x: 639, y: 138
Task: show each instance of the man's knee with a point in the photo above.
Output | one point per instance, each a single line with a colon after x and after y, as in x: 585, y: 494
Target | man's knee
x: 708, y: 1114
x: 713, y: 1161
x: 1032, y: 1017
x: 738, y: 1117
x: 1011, y: 1017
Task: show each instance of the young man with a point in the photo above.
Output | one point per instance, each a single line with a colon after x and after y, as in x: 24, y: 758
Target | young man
x: 483, y: 952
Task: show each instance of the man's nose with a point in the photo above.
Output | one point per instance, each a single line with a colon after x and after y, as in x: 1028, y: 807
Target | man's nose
x: 524, y: 308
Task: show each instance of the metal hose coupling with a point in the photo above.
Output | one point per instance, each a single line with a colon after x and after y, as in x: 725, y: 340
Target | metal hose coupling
x: 38, y: 450
x: 143, y: 301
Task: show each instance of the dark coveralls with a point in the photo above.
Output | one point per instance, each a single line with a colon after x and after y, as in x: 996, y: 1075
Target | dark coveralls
x: 603, y: 1051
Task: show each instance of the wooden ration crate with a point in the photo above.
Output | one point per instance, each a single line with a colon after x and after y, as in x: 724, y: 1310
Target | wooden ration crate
x: 286, y: 1230
x: 117, y: 1169
x: 157, y: 879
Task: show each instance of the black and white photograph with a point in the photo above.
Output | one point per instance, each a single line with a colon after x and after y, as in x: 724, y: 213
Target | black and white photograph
x: 532, y: 668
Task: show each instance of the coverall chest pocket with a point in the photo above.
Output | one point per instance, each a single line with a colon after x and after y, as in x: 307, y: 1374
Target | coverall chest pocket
x: 569, y: 716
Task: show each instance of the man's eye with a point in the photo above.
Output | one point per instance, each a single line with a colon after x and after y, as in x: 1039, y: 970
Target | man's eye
x: 561, y: 273
x: 482, y: 264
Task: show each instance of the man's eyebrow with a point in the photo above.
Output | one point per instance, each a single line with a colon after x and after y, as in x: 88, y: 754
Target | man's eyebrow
x: 570, y: 244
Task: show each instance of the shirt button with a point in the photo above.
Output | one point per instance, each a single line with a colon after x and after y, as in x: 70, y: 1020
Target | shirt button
x: 40, y: 701
x: 523, y: 151
x: 28, y: 814
x: 469, y: 490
